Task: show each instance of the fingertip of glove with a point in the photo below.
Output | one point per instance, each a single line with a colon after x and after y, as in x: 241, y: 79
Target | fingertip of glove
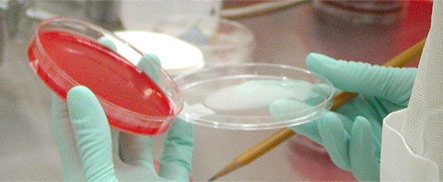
x: 79, y: 92
x: 107, y: 43
x: 361, y: 123
x: 317, y: 62
x: 281, y: 107
x: 80, y: 101
x: 149, y: 59
x: 154, y: 58
x: 330, y: 122
x: 325, y: 121
x: 361, y: 130
x: 280, y: 104
x: 329, y: 117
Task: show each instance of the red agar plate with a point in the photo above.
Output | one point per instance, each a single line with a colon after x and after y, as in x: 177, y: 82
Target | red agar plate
x: 65, y: 52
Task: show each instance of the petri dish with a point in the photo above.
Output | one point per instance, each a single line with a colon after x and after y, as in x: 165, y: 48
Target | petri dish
x: 176, y: 56
x: 253, y: 96
x: 222, y: 41
x: 65, y: 52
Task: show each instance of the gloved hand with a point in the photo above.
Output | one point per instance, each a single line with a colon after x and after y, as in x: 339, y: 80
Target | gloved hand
x: 91, y: 151
x: 352, y: 134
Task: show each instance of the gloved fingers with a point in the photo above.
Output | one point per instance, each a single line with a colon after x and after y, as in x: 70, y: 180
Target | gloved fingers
x: 136, y: 150
x: 319, y: 92
x: 364, y: 164
x: 107, y: 43
x: 335, y: 139
x: 64, y: 137
x: 279, y: 110
x: 394, y: 84
x: 309, y: 130
x: 175, y: 163
x: 150, y: 64
x: 92, y: 135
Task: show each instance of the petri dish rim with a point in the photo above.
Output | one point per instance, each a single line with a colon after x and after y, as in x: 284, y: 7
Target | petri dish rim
x: 326, y: 103
x: 103, y: 101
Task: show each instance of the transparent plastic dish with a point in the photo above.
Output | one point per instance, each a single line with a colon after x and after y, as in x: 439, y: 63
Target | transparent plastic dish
x: 245, y: 96
x: 66, y: 52
x: 222, y: 41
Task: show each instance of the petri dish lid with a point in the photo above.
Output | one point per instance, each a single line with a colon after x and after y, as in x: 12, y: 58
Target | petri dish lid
x: 176, y: 56
x: 253, y: 96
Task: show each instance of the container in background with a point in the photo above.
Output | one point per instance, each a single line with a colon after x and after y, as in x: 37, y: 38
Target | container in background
x: 361, y: 11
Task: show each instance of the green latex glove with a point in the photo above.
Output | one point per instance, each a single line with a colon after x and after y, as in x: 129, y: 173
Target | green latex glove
x: 352, y: 134
x: 91, y: 151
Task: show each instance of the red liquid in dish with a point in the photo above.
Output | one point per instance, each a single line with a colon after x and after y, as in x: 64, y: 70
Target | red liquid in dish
x: 106, y: 73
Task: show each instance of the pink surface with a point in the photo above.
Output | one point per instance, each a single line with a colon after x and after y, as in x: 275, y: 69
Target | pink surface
x: 298, y: 31
x: 312, y: 162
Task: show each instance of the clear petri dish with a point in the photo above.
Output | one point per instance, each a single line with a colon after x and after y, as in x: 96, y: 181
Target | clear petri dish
x: 66, y: 52
x: 253, y: 96
x: 176, y: 56
x: 222, y: 41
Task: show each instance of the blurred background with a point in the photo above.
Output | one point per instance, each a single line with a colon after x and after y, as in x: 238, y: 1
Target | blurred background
x: 282, y: 32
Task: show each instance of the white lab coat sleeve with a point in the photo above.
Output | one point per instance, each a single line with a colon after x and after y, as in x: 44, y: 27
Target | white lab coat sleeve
x: 398, y: 162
